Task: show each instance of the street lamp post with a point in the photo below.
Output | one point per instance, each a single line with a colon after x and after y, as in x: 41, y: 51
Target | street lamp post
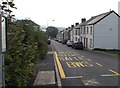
x: 48, y: 22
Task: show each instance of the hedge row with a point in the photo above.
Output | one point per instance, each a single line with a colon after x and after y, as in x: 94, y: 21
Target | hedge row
x: 25, y: 46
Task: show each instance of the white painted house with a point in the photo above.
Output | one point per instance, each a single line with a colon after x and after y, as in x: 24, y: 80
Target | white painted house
x: 102, y: 31
x: 75, y: 33
x: 99, y: 31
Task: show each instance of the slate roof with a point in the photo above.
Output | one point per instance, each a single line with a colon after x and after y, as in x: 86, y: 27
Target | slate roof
x: 98, y: 17
x: 95, y: 19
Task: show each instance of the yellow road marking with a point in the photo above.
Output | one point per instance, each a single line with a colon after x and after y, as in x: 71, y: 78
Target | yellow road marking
x: 111, y: 75
x: 82, y: 56
x: 65, y: 54
x: 79, y: 63
x: 74, y: 77
x: 89, y: 59
x: 116, y: 74
x: 113, y: 71
x: 70, y: 58
x: 98, y: 64
x: 75, y: 58
x: 62, y: 74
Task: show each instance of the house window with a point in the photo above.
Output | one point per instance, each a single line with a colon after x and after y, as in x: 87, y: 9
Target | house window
x: 84, y: 30
x: 76, y: 32
x: 81, y: 30
x: 91, y: 30
x: 90, y: 42
x: 87, y: 30
x: 76, y: 39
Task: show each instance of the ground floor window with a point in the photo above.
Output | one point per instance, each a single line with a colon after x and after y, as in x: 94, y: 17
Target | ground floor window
x: 90, y: 42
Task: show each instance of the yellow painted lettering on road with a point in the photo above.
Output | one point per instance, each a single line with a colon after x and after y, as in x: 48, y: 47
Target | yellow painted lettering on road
x: 61, y: 58
x: 70, y: 58
x: 66, y: 58
x: 86, y: 64
x: 89, y: 59
x: 70, y: 64
x: 68, y: 54
x: 98, y: 64
x: 78, y: 64
x: 65, y: 54
x: 80, y: 58
x: 75, y: 58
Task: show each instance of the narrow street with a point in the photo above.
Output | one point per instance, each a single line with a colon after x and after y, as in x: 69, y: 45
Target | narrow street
x: 85, y: 68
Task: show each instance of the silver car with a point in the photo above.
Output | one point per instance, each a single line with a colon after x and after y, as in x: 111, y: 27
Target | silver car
x: 69, y: 43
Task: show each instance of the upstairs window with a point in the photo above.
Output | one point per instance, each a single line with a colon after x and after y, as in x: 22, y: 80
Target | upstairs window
x: 81, y: 30
x: 91, y: 30
x: 84, y: 31
x: 87, y: 30
x: 76, y: 32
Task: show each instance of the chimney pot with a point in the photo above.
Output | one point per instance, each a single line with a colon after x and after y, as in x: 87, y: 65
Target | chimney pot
x: 76, y: 24
x: 83, y: 19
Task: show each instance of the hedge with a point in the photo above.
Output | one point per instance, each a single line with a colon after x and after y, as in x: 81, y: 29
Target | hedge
x: 25, y: 46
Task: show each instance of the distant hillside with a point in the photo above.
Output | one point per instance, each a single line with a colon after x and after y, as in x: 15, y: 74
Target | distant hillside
x: 44, y: 28
x: 60, y: 28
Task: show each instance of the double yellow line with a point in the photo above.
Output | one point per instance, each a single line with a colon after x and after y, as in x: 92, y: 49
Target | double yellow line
x: 62, y: 73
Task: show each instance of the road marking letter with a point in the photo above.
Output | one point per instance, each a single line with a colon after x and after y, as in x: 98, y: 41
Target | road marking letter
x: 78, y: 64
x: 98, y: 64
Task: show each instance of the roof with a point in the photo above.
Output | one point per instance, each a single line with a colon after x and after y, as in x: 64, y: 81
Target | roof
x: 84, y: 23
x: 95, y: 19
x: 98, y: 17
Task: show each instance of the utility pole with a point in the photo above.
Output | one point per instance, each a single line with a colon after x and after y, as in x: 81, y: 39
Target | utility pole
x: 2, y: 47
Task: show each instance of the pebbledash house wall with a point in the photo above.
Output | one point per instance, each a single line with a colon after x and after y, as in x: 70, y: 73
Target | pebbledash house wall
x: 106, y: 32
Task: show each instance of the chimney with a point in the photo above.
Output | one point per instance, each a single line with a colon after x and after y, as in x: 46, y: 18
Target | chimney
x: 76, y: 24
x: 72, y: 26
x: 83, y: 19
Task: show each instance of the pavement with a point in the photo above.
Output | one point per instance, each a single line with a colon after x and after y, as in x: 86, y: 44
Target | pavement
x: 45, y: 72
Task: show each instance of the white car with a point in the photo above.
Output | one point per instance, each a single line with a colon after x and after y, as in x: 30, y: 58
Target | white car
x: 69, y: 43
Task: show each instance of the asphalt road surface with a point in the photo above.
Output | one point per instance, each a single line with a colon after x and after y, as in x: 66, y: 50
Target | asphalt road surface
x: 85, y: 68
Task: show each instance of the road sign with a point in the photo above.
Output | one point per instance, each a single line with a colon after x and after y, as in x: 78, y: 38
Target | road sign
x: 3, y: 32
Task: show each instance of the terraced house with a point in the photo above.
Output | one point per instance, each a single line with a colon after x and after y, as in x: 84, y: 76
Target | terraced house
x: 100, y: 31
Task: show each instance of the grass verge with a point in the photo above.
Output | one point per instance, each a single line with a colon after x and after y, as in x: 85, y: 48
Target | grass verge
x: 112, y: 51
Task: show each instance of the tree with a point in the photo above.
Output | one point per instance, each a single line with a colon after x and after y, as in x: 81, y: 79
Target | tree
x: 52, y: 31
x: 25, y: 46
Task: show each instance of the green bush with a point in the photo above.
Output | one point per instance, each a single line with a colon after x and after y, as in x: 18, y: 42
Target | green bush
x: 25, y: 46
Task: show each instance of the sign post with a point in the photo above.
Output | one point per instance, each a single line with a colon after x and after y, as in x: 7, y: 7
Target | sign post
x: 2, y: 48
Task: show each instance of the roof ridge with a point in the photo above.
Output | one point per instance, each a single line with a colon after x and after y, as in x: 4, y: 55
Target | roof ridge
x: 102, y: 14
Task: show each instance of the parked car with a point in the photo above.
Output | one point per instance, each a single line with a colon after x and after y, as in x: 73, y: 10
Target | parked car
x: 69, y: 43
x: 59, y: 41
x: 64, y: 41
x: 49, y: 41
x: 77, y: 45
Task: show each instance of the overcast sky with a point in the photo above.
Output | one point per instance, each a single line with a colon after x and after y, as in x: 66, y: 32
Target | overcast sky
x: 63, y: 12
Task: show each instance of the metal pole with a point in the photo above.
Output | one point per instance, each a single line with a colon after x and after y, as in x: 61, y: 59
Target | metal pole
x: 0, y: 51
x: 2, y: 73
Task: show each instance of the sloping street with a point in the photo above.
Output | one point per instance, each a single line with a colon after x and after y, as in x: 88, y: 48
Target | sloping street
x: 85, y: 68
